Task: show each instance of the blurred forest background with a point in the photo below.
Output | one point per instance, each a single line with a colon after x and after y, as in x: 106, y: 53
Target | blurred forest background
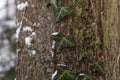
x: 7, y: 39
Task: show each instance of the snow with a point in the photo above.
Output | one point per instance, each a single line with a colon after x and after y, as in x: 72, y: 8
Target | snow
x: 54, y: 74
x: 22, y: 6
x: 33, y: 34
x: 28, y: 41
x: 61, y: 65
x: 36, y: 24
x: 52, y: 53
x: 53, y: 47
x: 55, y: 33
x: 81, y: 74
x: 33, y: 52
x: 18, y: 30
x: 27, y: 28
x: 53, y: 44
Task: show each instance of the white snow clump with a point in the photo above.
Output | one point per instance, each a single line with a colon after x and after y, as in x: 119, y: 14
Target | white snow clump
x: 22, y: 6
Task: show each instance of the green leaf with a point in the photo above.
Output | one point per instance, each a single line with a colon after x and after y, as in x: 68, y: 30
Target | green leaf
x: 96, y: 44
x: 88, y: 77
x: 84, y: 54
x: 65, y: 42
x: 62, y: 42
x: 57, y: 37
x: 52, y: 2
x: 65, y: 74
x: 62, y: 12
x: 97, y: 67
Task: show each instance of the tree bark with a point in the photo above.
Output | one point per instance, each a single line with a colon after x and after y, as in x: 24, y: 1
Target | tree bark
x: 111, y: 30
x: 91, y: 22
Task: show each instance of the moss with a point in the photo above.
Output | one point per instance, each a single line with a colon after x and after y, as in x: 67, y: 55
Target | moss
x: 78, y: 11
x: 78, y: 33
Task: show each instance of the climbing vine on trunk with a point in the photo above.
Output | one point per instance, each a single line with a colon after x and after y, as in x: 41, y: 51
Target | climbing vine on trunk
x: 61, y: 42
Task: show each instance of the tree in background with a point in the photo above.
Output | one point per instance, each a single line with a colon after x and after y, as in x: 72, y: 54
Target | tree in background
x: 68, y: 40
x: 7, y: 39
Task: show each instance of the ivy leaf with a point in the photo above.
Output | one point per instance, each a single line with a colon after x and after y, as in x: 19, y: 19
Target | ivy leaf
x: 97, y: 67
x: 96, y: 44
x: 84, y: 54
x: 65, y: 74
x: 65, y: 42
x: 62, y: 12
x: 57, y: 37
x: 62, y: 41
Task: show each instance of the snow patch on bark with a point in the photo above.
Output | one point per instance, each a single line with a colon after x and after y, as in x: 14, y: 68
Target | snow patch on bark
x: 18, y: 29
x: 22, y: 6
x: 33, y: 52
x: 36, y: 24
x: 52, y: 53
x: 61, y: 65
x: 33, y: 34
x: 27, y: 28
x: 53, y: 44
x: 54, y: 74
x: 28, y: 41
x: 81, y: 74
x: 55, y: 33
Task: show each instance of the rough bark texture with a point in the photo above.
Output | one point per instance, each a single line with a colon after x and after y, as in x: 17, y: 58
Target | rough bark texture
x: 38, y: 66
x: 111, y: 30
x: 90, y: 21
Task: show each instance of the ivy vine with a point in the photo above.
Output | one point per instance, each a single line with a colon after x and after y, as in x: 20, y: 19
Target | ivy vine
x: 60, y: 11
x: 65, y: 41
x: 65, y: 74
x: 61, y: 41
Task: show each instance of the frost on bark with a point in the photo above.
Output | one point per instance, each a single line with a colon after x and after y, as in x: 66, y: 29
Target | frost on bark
x: 94, y: 25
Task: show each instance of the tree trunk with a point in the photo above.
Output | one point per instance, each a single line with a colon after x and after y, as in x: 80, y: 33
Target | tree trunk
x: 94, y: 26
